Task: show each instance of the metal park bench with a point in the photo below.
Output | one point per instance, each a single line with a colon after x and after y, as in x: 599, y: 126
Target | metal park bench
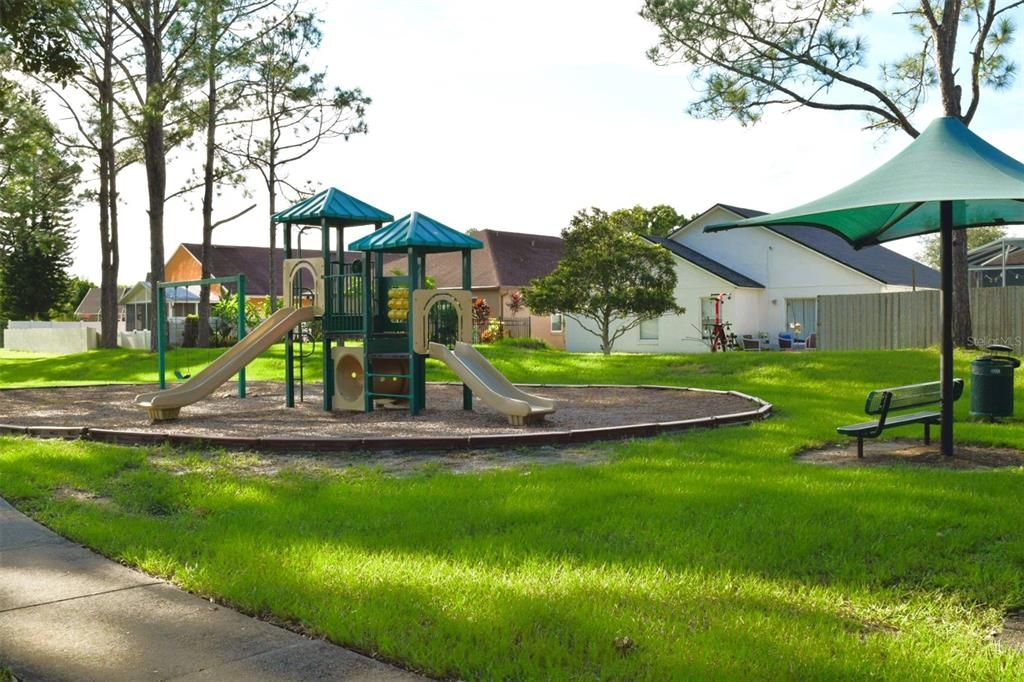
x: 886, y: 400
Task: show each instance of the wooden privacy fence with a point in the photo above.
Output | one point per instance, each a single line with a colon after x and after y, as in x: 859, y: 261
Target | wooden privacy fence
x: 911, y: 319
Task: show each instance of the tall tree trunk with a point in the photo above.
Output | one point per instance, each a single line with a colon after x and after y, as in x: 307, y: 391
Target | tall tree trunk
x: 211, y: 138
x: 110, y: 255
x: 153, y: 148
x: 945, y: 51
x: 108, y: 313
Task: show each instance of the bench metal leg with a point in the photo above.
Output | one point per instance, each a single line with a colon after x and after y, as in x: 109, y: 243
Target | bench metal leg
x: 860, y: 448
x: 927, y: 433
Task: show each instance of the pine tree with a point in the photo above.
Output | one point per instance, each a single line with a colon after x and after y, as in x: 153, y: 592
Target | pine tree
x: 37, y: 188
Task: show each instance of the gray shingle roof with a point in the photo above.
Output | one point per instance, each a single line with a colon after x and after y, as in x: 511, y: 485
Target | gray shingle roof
x: 705, y: 263
x: 876, y: 262
x: 508, y: 259
x: 253, y: 262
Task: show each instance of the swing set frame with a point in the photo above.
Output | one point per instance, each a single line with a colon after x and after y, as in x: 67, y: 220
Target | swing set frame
x: 161, y: 333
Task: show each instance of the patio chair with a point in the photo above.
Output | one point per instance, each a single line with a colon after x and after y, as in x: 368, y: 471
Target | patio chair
x: 750, y: 342
x: 805, y: 344
x: 785, y: 342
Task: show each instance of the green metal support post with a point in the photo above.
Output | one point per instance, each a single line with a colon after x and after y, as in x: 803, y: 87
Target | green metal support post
x: 241, y: 330
x: 328, y: 380
x: 160, y: 303
x: 367, y: 332
x: 467, y: 284
x: 416, y: 377
x: 161, y: 345
x: 289, y: 355
x: 420, y: 360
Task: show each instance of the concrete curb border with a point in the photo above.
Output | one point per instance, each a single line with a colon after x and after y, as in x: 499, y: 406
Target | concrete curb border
x: 426, y: 443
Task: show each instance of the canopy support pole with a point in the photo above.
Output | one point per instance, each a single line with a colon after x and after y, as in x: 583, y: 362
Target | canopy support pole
x: 946, y: 314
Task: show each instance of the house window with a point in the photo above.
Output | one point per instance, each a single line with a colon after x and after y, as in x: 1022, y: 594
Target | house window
x: 801, y: 317
x: 707, y: 314
x: 556, y: 323
x: 649, y: 330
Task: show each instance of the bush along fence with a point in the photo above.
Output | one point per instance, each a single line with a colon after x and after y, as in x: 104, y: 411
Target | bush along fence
x: 911, y: 319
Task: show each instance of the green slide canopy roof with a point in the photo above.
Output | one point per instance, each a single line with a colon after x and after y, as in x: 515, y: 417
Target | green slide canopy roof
x: 334, y: 206
x: 947, y: 162
x: 417, y: 231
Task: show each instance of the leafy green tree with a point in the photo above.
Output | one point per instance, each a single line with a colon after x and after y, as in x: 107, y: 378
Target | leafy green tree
x: 35, y: 35
x: 37, y: 188
x: 291, y: 108
x: 75, y: 291
x: 657, y: 221
x: 95, y: 134
x: 219, y: 58
x: 165, y: 33
x: 609, y: 279
x: 751, y: 55
x: 226, y: 310
x: 978, y: 236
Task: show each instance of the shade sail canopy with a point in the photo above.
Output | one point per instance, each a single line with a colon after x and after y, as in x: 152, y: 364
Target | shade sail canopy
x: 335, y: 207
x: 947, y: 162
x: 416, y: 231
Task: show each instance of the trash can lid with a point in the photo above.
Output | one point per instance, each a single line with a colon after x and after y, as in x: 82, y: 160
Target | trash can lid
x: 996, y: 360
x: 998, y: 348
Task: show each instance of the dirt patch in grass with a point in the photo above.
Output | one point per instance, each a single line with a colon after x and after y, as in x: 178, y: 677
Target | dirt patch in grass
x: 1012, y: 634
x: 68, y: 493
x: 398, y: 464
x: 916, y: 453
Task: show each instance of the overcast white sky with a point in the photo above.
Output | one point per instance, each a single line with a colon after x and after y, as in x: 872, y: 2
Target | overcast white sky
x: 513, y: 116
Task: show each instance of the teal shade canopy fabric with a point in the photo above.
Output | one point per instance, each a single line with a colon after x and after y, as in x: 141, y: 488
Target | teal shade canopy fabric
x: 416, y: 231
x: 335, y: 207
x: 947, y: 162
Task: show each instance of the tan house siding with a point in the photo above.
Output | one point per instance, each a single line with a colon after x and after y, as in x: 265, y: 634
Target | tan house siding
x: 184, y: 267
x: 540, y: 325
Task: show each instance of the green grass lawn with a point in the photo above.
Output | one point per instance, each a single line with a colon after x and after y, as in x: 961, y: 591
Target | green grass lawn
x: 713, y: 552
x: 22, y: 370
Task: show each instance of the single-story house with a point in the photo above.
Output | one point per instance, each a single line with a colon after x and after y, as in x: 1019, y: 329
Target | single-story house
x: 505, y: 265
x: 185, y: 264
x: 179, y: 301
x: 771, y: 277
x: 1000, y: 263
x: 88, y: 309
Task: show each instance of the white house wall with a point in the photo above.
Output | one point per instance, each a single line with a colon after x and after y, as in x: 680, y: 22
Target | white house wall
x: 786, y: 269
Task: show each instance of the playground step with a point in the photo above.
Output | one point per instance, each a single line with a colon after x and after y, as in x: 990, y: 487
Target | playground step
x: 374, y: 394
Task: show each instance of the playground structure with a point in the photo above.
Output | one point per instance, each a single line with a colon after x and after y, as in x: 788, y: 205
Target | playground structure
x: 398, y: 320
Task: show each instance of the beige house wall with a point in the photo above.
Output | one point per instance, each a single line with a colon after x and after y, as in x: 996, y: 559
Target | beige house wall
x: 540, y: 325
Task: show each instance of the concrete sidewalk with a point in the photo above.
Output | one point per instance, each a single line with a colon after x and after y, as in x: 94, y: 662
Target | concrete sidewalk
x: 67, y: 613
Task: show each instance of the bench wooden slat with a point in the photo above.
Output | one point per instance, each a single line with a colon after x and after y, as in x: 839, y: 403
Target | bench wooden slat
x: 899, y: 420
x: 883, y: 401
x: 905, y: 397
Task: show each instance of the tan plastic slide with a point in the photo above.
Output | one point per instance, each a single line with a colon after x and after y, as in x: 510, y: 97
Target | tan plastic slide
x: 494, y: 389
x: 166, y: 404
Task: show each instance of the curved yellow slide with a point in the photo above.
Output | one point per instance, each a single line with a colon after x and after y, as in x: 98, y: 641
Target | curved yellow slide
x: 166, y: 404
x: 497, y: 392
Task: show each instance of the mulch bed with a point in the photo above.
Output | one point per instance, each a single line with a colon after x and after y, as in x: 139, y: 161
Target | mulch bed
x: 263, y: 415
x: 916, y: 453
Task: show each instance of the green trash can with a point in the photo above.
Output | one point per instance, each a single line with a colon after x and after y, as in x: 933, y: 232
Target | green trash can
x: 992, y: 384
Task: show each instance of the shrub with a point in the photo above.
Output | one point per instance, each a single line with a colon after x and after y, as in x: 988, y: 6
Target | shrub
x: 495, y: 332
x: 524, y: 342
